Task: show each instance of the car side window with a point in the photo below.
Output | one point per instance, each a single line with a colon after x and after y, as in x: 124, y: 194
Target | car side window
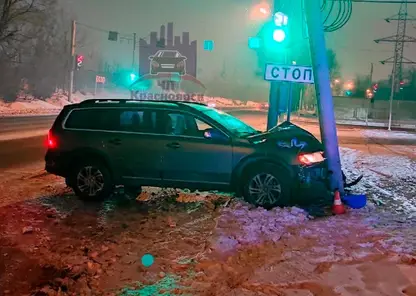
x: 183, y: 124
x: 139, y: 121
x: 93, y: 119
x: 202, y: 126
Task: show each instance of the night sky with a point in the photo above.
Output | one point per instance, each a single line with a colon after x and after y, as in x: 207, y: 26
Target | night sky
x: 228, y: 24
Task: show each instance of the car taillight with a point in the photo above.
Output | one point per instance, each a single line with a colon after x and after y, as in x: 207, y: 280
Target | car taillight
x: 180, y: 64
x: 311, y: 158
x: 51, y: 141
x: 155, y: 64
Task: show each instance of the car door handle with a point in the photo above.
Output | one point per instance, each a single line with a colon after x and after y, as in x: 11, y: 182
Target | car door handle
x: 173, y: 145
x: 115, y: 141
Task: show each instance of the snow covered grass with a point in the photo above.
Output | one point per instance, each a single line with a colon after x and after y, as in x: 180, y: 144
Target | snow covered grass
x: 388, y: 180
x: 385, y: 134
x: 385, y: 225
x: 52, y: 105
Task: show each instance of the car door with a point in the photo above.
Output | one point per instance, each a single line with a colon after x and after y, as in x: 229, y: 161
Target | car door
x: 141, y: 146
x: 189, y: 158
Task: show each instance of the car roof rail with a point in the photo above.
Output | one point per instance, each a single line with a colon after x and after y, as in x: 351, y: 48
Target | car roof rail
x: 94, y: 101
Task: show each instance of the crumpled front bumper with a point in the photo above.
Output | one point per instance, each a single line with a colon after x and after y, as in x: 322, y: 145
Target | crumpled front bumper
x: 313, y: 184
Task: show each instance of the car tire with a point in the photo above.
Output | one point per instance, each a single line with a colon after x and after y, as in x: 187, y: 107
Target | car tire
x: 92, y: 181
x: 272, y: 181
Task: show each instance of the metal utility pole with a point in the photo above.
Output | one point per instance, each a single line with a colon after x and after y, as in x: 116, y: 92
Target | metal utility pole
x: 274, y: 95
x: 370, y: 85
x: 134, y: 50
x: 323, y: 93
x: 398, y: 59
x: 72, y: 60
x: 290, y: 99
x: 279, y: 92
x: 370, y: 82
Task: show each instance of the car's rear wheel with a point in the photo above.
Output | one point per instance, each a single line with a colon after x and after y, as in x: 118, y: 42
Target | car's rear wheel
x: 92, y: 181
x: 267, y: 186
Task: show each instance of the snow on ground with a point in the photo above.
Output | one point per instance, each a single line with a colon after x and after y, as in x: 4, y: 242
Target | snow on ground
x: 52, y: 105
x: 206, y: 247
x: 388, y: 180
x: 385, y: 134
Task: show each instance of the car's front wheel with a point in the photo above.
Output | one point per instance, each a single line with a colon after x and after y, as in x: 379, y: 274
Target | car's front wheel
x: 267, y: 186
x: 92, y: 181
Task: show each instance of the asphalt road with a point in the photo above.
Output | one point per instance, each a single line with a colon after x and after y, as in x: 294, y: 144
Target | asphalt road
x: 31, y: 149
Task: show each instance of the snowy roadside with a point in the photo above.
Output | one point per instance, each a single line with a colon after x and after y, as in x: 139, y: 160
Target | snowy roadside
x: 207, y: 244
x: 211, y: 247
x: 29, y: 106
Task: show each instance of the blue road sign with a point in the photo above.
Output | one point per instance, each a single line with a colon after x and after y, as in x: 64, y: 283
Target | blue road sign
x: 209, y: 45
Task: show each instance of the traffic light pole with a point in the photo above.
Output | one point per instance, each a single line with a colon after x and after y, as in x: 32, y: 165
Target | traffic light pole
x: 323, y: 93
x: 277, y: 91
x: 134, y: 51
x: 72, y: 61
x: 274, y: 97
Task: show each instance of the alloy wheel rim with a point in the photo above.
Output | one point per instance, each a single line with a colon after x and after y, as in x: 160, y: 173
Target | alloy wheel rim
x: 265, y: 189
x: 90, y: 180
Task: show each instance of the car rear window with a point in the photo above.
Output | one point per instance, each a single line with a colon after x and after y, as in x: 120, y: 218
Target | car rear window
x: 94, y: 119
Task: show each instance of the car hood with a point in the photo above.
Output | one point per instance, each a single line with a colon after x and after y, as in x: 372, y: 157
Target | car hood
x: 288, y: 136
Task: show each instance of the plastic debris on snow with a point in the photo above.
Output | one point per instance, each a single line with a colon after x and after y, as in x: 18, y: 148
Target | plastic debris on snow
x: 388, y: 180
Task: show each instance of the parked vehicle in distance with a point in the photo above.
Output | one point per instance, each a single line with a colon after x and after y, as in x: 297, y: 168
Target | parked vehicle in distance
x: 98, y: 144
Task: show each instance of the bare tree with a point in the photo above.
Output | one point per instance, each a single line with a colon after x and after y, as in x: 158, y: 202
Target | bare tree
x: 17, y: 19
x: 35, y: 46
x: 18, y: 22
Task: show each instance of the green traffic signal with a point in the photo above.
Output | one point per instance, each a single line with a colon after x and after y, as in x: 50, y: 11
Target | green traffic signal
x: 279, y: 35
x: 275, y: 33
x: 133, y: 77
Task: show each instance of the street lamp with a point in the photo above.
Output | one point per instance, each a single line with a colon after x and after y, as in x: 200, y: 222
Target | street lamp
x: 260, y: 11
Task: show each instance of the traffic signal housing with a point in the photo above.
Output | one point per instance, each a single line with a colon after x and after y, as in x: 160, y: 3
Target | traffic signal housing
x: 79, y: 60
x: 275, y: 34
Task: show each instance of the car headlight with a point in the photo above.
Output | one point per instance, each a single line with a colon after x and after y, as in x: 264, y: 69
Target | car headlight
x: 311, y: 158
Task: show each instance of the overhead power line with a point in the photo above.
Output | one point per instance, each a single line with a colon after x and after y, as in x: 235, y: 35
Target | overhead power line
x: 398, y: 60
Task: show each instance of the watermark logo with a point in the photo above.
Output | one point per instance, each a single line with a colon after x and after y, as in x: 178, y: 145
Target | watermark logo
x: 168, y: 68
x: 165, y: 86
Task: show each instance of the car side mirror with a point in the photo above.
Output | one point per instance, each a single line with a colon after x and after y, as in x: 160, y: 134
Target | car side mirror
x: 213, y: 134
x: 151, y: 57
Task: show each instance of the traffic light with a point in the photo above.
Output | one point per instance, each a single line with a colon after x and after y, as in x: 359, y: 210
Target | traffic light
x: 133, y: 77
x: 275, y: 34
x: 79, y: 61
x: 401, y: 85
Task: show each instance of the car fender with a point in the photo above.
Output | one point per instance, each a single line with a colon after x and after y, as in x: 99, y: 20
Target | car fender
x: 87, y: 153
x: 247, y: 161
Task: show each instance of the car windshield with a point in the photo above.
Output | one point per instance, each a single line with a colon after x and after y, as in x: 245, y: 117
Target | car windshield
x: 169, y: 54
x: 234, y: 125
